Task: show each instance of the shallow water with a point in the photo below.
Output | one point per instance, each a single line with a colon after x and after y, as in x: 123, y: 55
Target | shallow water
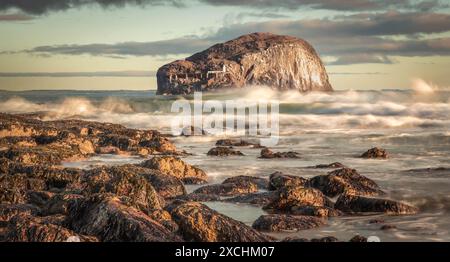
x: 323, y: 128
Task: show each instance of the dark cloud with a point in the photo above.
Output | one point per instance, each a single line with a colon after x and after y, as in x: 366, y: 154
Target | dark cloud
x: 16, y: 17
x: 177, y: 46
x: 352, y: 39
x: 44, y: 6
x: 260, y: 15
x: 339, y: 5
x: 80, y: 74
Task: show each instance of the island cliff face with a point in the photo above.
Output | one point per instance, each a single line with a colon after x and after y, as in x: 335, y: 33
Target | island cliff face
x: 260, y: 59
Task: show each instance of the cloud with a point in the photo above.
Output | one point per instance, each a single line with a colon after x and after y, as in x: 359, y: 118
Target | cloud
x: 15, y: 17
x: 185, y: 45
x: 362, y: 59
x: 39, y: 7
x: 80, y: 74
x: 339, y: 5
x: 351, y: 39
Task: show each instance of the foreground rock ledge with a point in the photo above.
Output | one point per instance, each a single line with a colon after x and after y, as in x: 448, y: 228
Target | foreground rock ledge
x: 277, y: 61
x: 197, y: 222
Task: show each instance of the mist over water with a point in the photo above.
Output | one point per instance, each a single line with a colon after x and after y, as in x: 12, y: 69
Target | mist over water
x: 413, y: 125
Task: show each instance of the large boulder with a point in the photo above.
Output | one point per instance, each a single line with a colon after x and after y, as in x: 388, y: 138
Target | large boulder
x: 269, y: 154
x: 176, y: 167
x: 228, y: 189
x: 277, y: 223
x: 224, y: 151
x: 260, y: 182
x: 345, y: 180
x: 111, y: 219
x: 167, y: 186
x: 122, y: 181
x: 295, y: 196
x: 359, y: 204
x: 279, y: 180
x: 197, y: 222
x: 281, y: 62
x: 375, y: 153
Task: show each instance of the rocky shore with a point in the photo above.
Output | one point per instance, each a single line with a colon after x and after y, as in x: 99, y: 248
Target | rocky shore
x: 40, y: 200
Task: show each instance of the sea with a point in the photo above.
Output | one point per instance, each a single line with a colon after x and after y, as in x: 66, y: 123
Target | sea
x: 412, y: 125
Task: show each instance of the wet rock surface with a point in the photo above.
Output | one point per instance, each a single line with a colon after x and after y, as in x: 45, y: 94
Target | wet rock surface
x: 345, y: 180
x: 112, y: 219
x: 237, y: 143
x: 176, y: 167
x: 261, y: 183
x: 279, y: 223
x: 375, y: 153
x: 228, y: 189
x: 257, y: 199
x: 359, y: 204
x: 329, y: 166
x: 269, y: 154
x: 197, y: 222
x: 279, y: 180
x: 296, y: 196
x: 224, y: 151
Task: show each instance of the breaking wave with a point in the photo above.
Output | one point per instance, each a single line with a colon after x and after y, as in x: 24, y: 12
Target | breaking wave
x: 344, y: 110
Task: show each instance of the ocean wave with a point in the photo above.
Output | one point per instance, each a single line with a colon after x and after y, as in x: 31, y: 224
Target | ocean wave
x: 330, y: 111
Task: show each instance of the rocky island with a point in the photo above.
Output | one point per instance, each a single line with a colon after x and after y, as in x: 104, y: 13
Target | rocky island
x: 258, y: 59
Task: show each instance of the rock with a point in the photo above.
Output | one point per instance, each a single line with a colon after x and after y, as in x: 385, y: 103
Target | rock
x: 32, y: 141
x: 199, y: 197
x: 329, y: 239
x: 197, y: 222
x: 167, y: 186
x: 279, y: 180
x: 323, y: 239
x: 108, y: 218
x: 359, y: 204
x: 23, y: 228
x: 377, y: 153
x: 281, y: 62
x: 236, y: 143
x: 278, y: 223
x: 14, y: 188
x: 39, y: 177
x: 59, y: 203
x: 345, y: 180
x: 332, y: 165
x: 268, y: 154
x: 258, y: 199
x: 289, y: 197
x: 39, y: 198
x: 122, y: 181
x: 224, y: 151
x: 164, y: 218
x: 194, y: 181
x: 228, y: 189
x: 176, y: 167
x: 358, y: 238
x: 193, y: 131
x: 387, y: 227
x: 317, y: 211
x: 7, y: 211
x: 261, y: 183
x: 294, y: 240
x: 376, y: 221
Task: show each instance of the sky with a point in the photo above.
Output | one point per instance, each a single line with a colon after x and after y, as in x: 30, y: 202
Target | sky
x: 120, y: 44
